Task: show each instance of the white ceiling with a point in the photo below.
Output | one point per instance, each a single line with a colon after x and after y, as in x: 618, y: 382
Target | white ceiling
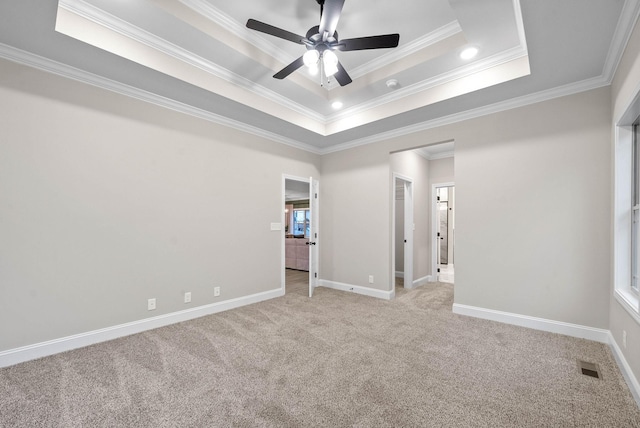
x: 197, y: 56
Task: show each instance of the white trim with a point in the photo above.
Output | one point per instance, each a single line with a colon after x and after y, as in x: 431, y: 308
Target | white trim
x: 520, y: 25
x: 50, y: 347
x: 117, y: 25
x: 568, y: 329
x: 209, y: 11
x: 629, y: 301
x: 283, y: 255
x: 434, y: 227
x: 421, y: 281
x: 625, y: 369
x: 365, y: 291
x: 405, y: 50
x: 525, y: 100
x: 433, y: 82
x: 47, y: 65
x: 626, y: 22
x: 443, y: 155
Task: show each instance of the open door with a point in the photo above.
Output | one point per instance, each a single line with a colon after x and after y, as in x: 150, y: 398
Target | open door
x: 313, y: 234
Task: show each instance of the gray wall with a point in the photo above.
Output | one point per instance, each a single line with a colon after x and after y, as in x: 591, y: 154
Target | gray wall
x: 107, y: 201
x: 624, y: 88
x: 553, y: 153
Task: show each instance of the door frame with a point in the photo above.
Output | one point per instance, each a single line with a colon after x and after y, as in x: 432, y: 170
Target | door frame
x: 408, y: 227
x: 313, y: 251
x: 434, y: 227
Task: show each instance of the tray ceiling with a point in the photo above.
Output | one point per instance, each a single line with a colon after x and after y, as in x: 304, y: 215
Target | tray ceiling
x: 197, y: 56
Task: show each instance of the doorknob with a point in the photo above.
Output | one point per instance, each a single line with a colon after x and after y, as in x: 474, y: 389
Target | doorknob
x: 310, y: 243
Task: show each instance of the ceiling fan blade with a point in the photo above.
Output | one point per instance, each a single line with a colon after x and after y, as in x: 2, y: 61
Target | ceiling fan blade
x: 371, y: 42
x: 331, y: 11
x: 289, y: 69
x: 342, y: 76
x: 275, y: 31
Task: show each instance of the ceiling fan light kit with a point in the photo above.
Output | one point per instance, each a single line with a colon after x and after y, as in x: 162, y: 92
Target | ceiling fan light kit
x: 322, y: 41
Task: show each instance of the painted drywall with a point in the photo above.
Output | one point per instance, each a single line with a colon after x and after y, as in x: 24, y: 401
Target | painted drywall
x: 624, y: 88
x: 107, y: 201
x: 529, y: 161
x: 410, y: 164
x: 442, y: 170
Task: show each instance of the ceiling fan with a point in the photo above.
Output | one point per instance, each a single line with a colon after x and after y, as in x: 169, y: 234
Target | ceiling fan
x: 322, y: 40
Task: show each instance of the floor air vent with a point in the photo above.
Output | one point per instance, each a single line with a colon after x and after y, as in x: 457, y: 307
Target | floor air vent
x: 589, y: 369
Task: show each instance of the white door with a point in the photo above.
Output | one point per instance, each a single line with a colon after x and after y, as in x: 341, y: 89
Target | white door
x: 408, y: 234
x: 314, y: 209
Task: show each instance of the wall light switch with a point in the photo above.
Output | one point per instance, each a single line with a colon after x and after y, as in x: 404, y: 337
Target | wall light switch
x: 187, y: 297
x: 276, y: 226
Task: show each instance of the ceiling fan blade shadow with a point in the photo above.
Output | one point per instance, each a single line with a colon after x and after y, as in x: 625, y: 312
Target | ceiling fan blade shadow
x: 331, y: 11
x: 342, y: 76
x: 289, y: 69
x: 371, y: 42
x: 275, y: 31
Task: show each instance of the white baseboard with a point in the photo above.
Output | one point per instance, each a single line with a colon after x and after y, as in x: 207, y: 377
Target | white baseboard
x: 421, y: 281
x: 625, y: 368
x: 574, y: 330
x: 399, y: 274
x: 372, y: 292
x: 43, y: 349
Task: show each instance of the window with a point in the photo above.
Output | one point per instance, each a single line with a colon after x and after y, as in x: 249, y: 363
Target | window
x: 301, y: 224
x: 626, y: 219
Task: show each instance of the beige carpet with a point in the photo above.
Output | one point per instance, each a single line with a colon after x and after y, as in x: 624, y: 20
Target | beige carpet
x: 337, y: 359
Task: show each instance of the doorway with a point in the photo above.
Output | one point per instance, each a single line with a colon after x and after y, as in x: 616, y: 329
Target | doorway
x: 443, y: 232
x: 300, y: 237
x: 403, y: 231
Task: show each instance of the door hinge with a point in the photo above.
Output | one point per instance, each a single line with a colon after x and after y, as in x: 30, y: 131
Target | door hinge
x: 438, y: 198
x: 316, y: 235
x: 315, y: 195
x: 438, y: 270
x: 438, y: 233
x: 315, y: 274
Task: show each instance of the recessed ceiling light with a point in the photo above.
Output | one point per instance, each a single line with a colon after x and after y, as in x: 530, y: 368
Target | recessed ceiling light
x: 337, y: 105
x: 469, y: 53
x: 392, y: 83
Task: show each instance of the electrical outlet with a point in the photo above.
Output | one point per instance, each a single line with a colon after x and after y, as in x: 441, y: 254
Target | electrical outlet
x: 216, y: 291
x: 187, y: 297
x: 370, y: 279
x: 624, y: 338
x: 151, y: 304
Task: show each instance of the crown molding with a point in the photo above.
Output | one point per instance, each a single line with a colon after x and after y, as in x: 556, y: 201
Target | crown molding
x: 424, y: 152
x: 406, y: 50
x: 443, y: 155
x: 459, y: 73
x: 206, y: 9
x: 45, y: 64
x: 50, y: 66
x: 113, y: 23
x: 520, y: 25
x: 560, y: 91
x: 626, y: 22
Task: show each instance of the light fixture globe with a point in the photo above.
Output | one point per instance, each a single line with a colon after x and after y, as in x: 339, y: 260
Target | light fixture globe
x: 330, y: 63
x: 310, y: 58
